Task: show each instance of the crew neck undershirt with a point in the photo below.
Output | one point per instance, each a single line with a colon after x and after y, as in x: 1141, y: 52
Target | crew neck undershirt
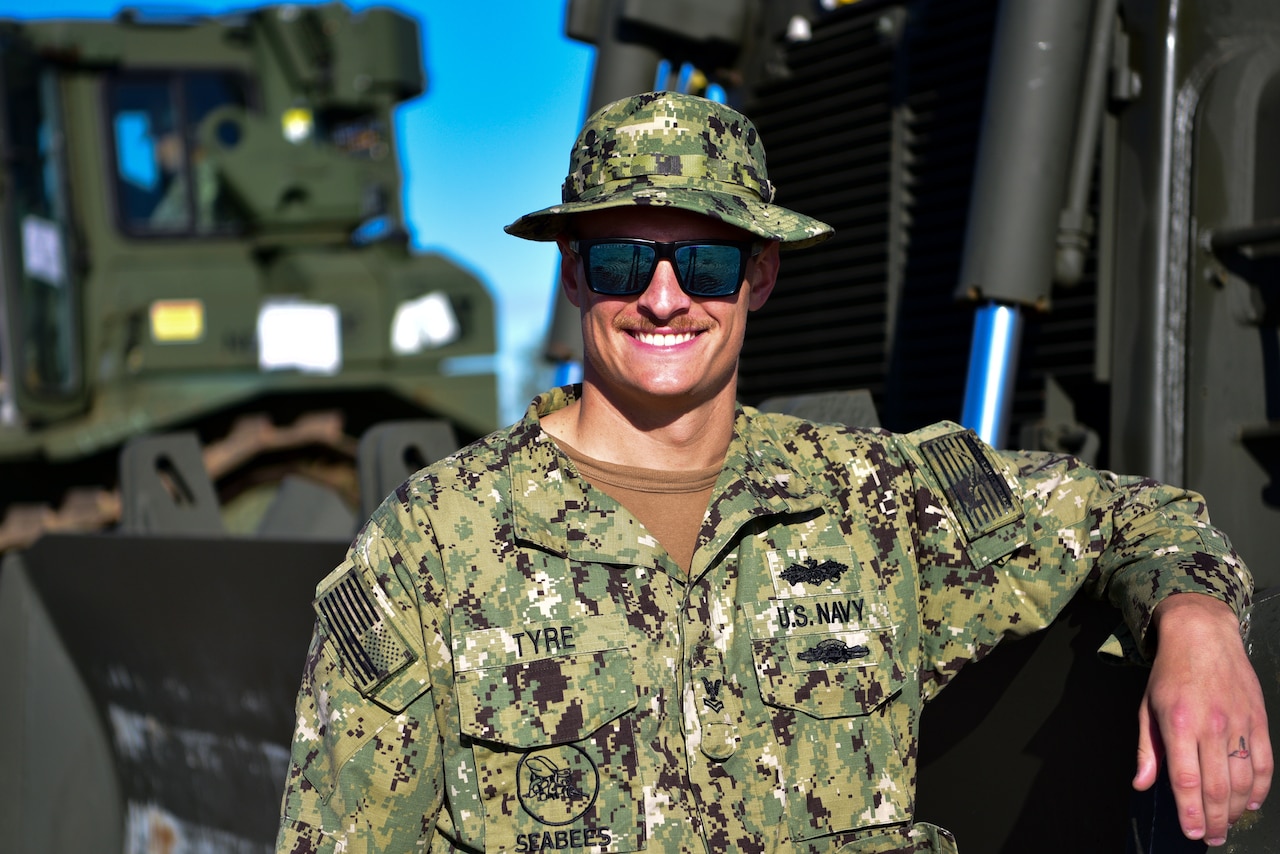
x: 669, y: 503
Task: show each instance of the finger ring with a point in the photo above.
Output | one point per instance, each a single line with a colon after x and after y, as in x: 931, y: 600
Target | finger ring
x: 1240, y: 752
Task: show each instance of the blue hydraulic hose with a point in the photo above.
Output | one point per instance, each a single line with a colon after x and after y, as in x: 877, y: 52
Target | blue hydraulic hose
x: 993, y: 362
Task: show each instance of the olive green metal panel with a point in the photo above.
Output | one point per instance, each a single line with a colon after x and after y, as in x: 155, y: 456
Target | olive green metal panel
x: 41, y: 362
x: 219, y: 169
x: 150, y: 685
x: 1196, y: 375
x: 58, y: 785
x: 378, y: 53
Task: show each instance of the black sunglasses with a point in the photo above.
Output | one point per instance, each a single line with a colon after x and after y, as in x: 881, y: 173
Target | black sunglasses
x: 624, y: 266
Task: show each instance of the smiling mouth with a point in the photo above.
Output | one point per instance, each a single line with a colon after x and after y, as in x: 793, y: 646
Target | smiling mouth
x: 658, y: 339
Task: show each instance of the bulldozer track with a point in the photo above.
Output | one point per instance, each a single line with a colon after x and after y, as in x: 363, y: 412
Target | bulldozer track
x: 251, y: 438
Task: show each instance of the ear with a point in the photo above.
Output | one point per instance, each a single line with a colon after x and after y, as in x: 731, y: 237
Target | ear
x: 762, y: 274
x: 569, y: 271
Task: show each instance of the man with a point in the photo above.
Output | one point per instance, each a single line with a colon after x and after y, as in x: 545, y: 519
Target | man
x: 646, y: 618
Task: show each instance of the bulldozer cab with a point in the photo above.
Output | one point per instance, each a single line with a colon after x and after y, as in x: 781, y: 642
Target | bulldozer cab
x: 165, y: 183
x: 41, y: 370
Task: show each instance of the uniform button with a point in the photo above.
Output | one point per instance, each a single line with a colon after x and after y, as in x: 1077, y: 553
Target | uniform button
x: 719, y: 741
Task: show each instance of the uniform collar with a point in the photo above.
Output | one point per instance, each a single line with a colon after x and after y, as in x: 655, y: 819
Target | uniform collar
x: 555, y: 509
x: 758, y: 480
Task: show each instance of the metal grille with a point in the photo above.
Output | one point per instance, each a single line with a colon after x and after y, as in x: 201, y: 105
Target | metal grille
x: 879, y: 137
x: 828, y: 131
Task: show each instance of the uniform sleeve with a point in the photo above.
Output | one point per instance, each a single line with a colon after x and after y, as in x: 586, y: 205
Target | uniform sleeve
x: 365, y: 773
x: 1007, y: 538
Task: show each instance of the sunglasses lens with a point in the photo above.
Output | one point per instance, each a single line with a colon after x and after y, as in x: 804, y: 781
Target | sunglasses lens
x: 624, y: 268
x: 619, y: 268
x: 709, y: 270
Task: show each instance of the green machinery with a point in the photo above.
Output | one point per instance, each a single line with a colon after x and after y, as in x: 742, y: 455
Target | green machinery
x: 202, y: 217
x: 201, y: 232
x: 1102, y: 172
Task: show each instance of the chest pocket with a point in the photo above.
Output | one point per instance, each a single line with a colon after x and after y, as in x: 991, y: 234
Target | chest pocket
x: 554, y: 752
x: 832, y: 690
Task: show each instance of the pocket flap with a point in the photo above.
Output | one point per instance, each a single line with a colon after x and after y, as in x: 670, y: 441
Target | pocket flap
x: 829, y: 675
x: 546, y: 701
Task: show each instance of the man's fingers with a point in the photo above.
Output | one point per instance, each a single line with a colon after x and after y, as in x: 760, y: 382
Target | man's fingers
x: 1191, y: 789
x: 1241, y: 773
x: 1148, y: 750
x: 1263, y: 762
x: 1214, y: 779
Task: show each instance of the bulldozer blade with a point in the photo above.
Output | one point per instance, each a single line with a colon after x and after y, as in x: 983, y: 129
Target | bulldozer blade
x: 150, y: 687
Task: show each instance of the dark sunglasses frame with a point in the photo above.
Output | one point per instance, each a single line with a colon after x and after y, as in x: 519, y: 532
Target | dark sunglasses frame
x: 747, y: 249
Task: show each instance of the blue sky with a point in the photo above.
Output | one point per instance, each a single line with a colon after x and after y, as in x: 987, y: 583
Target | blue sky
x: 488, y: 142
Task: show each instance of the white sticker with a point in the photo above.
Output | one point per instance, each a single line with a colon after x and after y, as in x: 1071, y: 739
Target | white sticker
x: 42, y: 251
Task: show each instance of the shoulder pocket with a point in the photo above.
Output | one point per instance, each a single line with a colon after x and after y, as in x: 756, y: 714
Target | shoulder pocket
x: 976, y: 489
x: 362, y: 635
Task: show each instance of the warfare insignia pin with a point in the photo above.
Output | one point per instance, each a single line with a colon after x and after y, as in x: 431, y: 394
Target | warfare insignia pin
x: 813, y: 572
x: 832, y: 651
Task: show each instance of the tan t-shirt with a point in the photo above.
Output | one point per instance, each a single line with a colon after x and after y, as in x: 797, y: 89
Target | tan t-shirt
x: 670, y: 504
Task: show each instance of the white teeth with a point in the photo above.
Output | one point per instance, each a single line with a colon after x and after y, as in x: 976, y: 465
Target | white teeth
x: 657, y: 340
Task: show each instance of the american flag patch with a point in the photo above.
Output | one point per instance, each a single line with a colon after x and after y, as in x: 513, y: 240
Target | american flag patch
x: 976, y: 492
x: 369, y: 647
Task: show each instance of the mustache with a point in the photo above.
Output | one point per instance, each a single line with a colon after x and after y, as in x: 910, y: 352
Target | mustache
x: 675, y: 326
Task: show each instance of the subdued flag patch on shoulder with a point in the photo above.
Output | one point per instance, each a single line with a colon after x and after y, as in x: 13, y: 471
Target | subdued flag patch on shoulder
x: 977, y: 493
x: 370, y: 648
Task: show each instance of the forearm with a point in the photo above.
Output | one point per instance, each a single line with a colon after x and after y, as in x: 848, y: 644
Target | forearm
x: 1170, y: 548
x: 1135, y: 541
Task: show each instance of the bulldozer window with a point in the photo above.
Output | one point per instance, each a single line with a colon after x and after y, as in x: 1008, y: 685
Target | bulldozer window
x: 165, y: 185
x: 39, y: 308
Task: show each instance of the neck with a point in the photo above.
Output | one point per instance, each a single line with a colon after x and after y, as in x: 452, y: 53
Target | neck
x: 649, y: 436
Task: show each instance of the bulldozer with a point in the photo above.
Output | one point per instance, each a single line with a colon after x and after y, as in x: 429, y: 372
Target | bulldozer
x: 217, y: 352
x: 1082, y: 198
x: 202, y: 221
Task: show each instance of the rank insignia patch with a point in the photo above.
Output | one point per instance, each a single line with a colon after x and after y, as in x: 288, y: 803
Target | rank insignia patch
x: 712, y: 700
x: 370, y: 648
x: 976, y: 492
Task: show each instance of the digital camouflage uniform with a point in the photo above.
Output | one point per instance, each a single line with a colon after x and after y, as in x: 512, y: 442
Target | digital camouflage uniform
x: 508, y: 661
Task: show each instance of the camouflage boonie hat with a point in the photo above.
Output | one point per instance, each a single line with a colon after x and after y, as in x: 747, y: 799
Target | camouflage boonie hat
x: 667, y: 149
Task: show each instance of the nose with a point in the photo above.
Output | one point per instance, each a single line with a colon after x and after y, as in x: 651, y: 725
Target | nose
x: 664, y: 298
